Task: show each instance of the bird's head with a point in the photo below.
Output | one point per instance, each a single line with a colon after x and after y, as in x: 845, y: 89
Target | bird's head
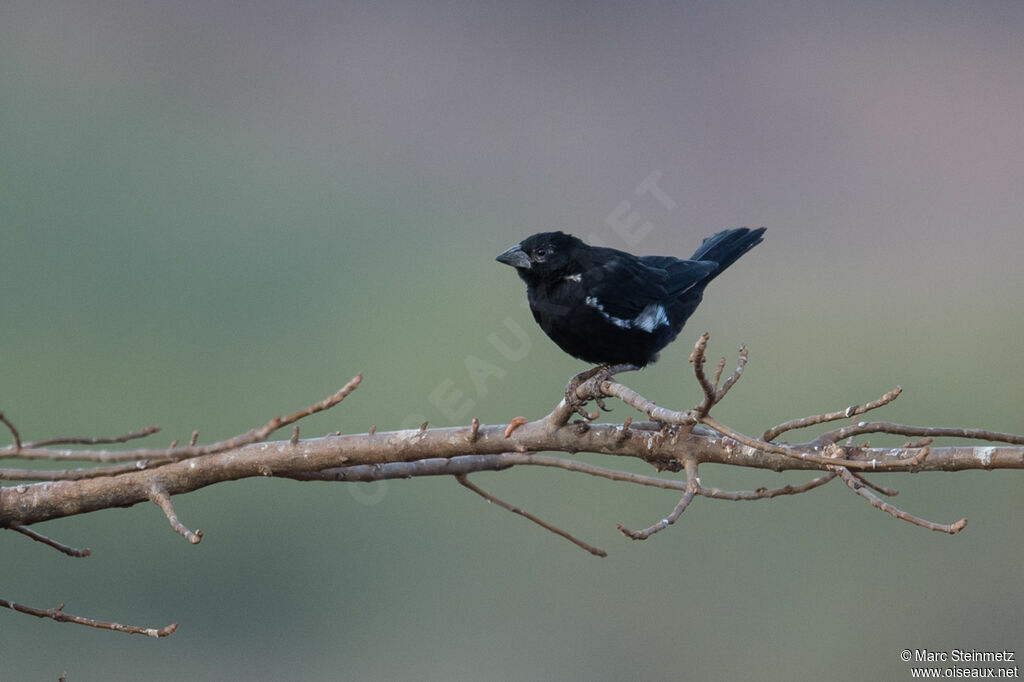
x: 542, y: 256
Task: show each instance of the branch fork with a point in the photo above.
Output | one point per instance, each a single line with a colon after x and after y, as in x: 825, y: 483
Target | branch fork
x: 823, y: 451
x: 670, y: 440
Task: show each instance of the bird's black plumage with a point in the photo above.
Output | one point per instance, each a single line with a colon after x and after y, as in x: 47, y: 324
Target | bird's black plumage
x: 610, y: 307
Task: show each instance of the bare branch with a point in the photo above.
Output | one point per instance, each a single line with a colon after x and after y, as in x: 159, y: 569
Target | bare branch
x: 27, y: 504
x: 888, y: 492
x: 697, y: 360
x: 666, y: 448
x: 684, y: 502
x: 863, y: 428
x: 464, y: 480
x: 58, y: 615
x: 13, y: 430
x: 851, y: 411
x: 160, y: 497
x: 60, y: 547
x: 796, y: 452
x: 83, y: 440
x: 857, y: 486
x: 735, y: 376
x: 16, y: 474
x: 174, y: 453
x: 671, y: 441
x: 764, y: 493
x: 642, y: 404
x: 719, y: 368
x: 467, y: 464
x: 645, y: 533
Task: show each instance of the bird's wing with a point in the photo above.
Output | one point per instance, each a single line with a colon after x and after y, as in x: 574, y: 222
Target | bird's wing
x: 624, y: 287
x: 681, y: 275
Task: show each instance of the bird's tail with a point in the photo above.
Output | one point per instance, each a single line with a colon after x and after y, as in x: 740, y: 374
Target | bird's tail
x: 726, y: 246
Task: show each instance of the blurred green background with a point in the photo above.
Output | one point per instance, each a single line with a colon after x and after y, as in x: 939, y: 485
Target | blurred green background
x: 215, y: 212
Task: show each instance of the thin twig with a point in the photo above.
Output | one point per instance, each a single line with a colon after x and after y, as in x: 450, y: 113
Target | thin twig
x: 684, y: 502
x: 795, y: 453
x: 467, y: 464
x: 920, y: 431
x: 719, y: 368
x: 58, y: 615
x: 697, y: 360
x: 642, y: 404
x: 735, y: 376
x: 645, y: 533
x: 764, y: 493
x: 13, y: 430
x: 888, y: 492
x: 851, y: 411
x: 856, y: 486
x: 165, y: 455
x: 59, y: 546
x: 85, y: 440
x: 464, y: 480
x: 15, y: 474
x: 160, y: 497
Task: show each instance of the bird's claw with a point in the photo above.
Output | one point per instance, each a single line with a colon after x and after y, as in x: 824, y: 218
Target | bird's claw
x: 586, y: 386
x: 588, y: 416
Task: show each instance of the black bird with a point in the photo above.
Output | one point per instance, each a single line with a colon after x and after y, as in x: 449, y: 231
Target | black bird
x: 609, y: 307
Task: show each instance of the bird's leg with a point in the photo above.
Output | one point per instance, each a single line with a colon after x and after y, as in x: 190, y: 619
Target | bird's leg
x: 592, y: 378
x: 572, y: 398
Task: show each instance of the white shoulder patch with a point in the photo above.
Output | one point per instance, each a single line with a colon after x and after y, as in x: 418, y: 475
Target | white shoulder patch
x: 575, y: 278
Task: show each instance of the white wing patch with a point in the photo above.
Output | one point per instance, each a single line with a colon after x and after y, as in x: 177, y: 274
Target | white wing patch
x: 649, y: 319
x: 574, y: 278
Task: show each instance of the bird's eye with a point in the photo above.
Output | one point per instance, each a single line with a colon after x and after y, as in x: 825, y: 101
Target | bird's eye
x: 540, y: 254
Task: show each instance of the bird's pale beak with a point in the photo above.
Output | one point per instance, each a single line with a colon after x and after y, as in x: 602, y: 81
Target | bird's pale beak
x: 515, y: 257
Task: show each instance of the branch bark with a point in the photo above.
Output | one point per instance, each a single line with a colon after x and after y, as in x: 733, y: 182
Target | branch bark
x: 31, y: 503
x: 671, y: 440
x: 181, y: 470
